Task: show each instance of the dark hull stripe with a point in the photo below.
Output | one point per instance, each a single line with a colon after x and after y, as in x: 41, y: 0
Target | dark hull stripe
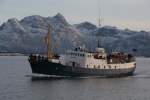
x: 50, y: 68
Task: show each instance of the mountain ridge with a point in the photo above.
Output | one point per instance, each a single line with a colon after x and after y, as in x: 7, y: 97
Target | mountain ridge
x: 26, y: 36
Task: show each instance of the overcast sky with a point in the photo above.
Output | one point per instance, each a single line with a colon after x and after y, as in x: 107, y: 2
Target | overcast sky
x: 132, y: 14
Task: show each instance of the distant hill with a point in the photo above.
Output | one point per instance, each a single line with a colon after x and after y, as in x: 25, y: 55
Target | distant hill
x: 26, y: 36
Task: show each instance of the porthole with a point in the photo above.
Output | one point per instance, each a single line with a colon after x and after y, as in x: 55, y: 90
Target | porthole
x: 104, y: 67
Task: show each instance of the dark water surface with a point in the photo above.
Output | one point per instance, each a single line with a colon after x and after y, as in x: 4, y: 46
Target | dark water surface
x: 15, y: 84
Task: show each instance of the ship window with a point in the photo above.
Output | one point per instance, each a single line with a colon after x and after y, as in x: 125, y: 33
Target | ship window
x: 115, y: 67
x: 104, y: 67
x: 81, y: 55
x: 78, y: 54
x: 73, y: 64
x: 94, y: 66
x: 109, y: 67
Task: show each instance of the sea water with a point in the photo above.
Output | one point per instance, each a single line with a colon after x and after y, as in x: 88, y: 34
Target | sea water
x: 18, y: 83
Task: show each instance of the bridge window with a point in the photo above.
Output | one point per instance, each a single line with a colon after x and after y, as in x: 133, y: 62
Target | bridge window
x: 82, y: 55
x: 75, y: 54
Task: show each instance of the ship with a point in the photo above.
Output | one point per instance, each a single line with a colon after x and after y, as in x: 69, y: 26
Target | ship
x: 81, y: 62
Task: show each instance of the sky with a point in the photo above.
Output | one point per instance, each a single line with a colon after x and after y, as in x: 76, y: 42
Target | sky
x: 131, y: 14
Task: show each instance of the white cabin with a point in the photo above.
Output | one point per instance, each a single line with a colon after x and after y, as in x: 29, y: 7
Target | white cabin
x: 81, y: 58
x: 96, y: 60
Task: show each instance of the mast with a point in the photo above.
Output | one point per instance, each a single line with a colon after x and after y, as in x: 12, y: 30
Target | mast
x: 99, y: 15
x: 48, y: 43
x: 99, y: 23
x: 98, y: 44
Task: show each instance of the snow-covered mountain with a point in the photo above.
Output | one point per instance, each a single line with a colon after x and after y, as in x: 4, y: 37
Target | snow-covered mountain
x: 26, y: 36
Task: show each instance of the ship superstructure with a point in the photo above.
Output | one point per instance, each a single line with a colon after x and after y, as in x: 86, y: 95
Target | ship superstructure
x: 97, y: 60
